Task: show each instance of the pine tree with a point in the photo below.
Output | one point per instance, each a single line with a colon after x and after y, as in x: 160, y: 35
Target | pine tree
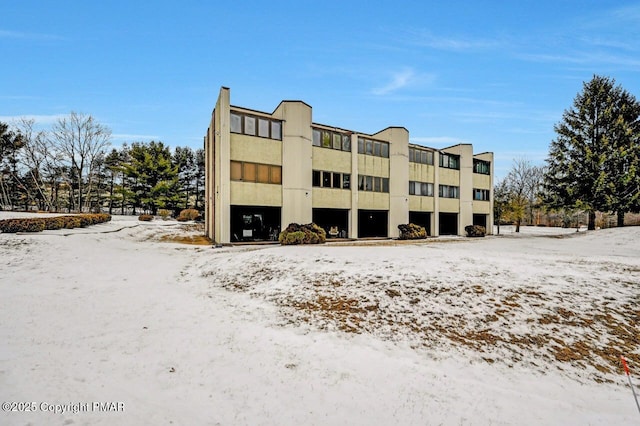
x: 583, y: 170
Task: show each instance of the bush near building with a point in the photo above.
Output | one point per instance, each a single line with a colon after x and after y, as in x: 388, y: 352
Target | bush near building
x: 302, y: 234
x: 475, y: 231
x: 411, y: 231
x: 145, y: 218
x: 188, y: 214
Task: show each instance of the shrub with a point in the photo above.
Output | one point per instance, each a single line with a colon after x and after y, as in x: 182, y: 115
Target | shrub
x: 475, y: 231
x: 145, y: 217
x: 22, y: 225
x: 71, y: 222
x: 188, y: 214
x: 411, y: 231
x: 164, y: 214
x: 53, y: 223
x: 302, y: 234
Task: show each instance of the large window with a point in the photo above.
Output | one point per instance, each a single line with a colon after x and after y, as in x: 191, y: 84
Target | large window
x: 447, y: 191
x: 373, y: 183
x: 481, y: 194
x: 450, y: 161
x: 331, y: 179
x: 481, y: 167
x: 420, y: 156
x: 421, y: 188
x: 263, y: 127
x: 254, y: 172
x: 371, y: 147
x: 329, y: 139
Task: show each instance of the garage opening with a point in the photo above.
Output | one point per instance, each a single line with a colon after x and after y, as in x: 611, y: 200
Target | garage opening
x: 372, y: 223
x: 334, y: 221
x: 251, y: 223
x: 422, y: 219
x: 448, y: 224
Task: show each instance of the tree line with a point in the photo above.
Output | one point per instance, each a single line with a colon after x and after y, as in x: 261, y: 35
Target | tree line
x: 72, y: 167
x: 593, y: 163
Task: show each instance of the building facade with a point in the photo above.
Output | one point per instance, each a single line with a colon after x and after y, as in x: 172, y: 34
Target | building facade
x: 266, y: 170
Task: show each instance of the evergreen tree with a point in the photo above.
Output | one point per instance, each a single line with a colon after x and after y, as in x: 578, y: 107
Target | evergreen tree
x: 583, y: 171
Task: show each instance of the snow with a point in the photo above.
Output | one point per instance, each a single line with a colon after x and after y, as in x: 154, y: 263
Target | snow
x: 514, y: 329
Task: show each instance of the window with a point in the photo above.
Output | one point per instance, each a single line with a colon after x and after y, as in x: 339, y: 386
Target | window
x: 481, y: 167
x: 276, y: 130
x: 255, y: 126
x: 373, y: 183
x: 249, y: 172
x: 317, y: 136
x: 371, y: 147
x: 346, y: 143
x: 450, y: 161
x: 330, y: 139
x: 346, y: 181
x: 236, y: 123
x: 337, y: 141
x: 236, y: 170
x: 481, y: 194
x: 421, y: 188
x: 326, y: 179
x: 447, y: 191
x: 263, y: 173
x: 276, y: 174
x: 253, y: 172
x: 420, y: 156
x: 249, y: 125
x: 331, y: 179
x: 263, y: 128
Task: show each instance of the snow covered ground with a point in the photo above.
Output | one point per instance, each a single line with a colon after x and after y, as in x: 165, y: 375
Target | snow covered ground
x: 516, y: 329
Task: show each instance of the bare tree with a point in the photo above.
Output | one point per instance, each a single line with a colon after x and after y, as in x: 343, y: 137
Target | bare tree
x: 81, y: 140
x: 523, y: 185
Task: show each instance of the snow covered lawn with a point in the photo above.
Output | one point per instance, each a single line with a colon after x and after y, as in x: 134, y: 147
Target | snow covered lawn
x: 517, y: 329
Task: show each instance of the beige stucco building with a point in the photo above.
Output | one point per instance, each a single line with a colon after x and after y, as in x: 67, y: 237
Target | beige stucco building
x: 266, y: 170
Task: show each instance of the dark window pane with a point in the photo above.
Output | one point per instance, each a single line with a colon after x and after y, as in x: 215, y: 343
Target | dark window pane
x: 360, y: 146
x: 368, y: 183
x: 385, y: 150
x: 326, y: 179
x: 412, y: 188
x: 385, y: 184
x: 346, y: 181
x: 377, y: 184
x: 430, y: 158
x: 368, y: 146
x: 316, y: 178
x: 412, y: 153
x: 361, y: 182
x: 336, y: 180
x: 376, y: 149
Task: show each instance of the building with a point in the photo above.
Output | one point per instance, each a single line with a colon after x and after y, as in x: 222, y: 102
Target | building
x: 266, y: 170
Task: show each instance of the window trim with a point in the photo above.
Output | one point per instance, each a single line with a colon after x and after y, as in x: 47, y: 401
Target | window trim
x: 274, y: 178
x: 256, y: 118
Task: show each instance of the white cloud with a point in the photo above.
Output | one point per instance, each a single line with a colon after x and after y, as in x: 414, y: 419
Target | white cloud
x: 427, y: 39
x: 134, y: 137
x: 30, y: 36
x: 399, y: 80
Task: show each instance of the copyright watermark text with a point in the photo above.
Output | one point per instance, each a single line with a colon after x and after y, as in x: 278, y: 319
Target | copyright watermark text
x: 70, y: 407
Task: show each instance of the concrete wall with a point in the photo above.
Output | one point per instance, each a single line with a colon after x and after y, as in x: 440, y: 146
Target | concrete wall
x: 255, y: 194
x: 331, y: 160
x: 398, y: 138
x: 255, y: 150
x: 297, y: 191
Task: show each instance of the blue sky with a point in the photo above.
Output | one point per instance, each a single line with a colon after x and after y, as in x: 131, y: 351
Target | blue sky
x: 496, y: 74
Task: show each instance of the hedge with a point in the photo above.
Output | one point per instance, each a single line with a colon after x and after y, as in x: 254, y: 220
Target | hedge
x: 52, y: 223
